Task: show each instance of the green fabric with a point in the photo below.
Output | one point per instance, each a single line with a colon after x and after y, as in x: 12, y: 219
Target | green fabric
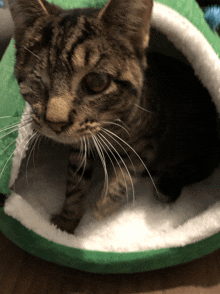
x: 68, y: 4
x: 104, y: 262
x: 12, y: 104
x: 191, y: 11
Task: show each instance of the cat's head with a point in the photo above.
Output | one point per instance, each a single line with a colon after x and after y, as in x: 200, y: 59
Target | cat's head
x: 80, y: 69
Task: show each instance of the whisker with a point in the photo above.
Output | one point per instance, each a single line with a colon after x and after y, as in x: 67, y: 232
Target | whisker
x: 8, y: 146
x: 102, y: 157
x: 5, y: 116
x: 14, y: 125
x: 143, y: 108
x: 4, y: 167
x: 112, y: 123
x: 41, y: 137
x: 136, y: 155
x: 9, y: 133
x: 30, y: 135
x: 123, y: 150
x: 119, y: 120
x: 10, y: 126
x: 126, y: 186
x: 82, y: 157
x: 80, y: 152
x: 85, y: 155
x: 43, y: 7
x: 31, y: 52
x: 12, y: 116
x: 31, y: 142
x: 83, y: 162
x: 89, y: 147
x: 16, y: 128
x: 36, y: 141
x: 26, y: 144
x: 129, y: 175
x: 100, y: 139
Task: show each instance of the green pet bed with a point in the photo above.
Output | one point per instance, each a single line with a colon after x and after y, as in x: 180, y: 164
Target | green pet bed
x: 142, y: 236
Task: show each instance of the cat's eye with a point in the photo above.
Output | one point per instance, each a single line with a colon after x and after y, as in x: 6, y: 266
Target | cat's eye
x: 96, y: 83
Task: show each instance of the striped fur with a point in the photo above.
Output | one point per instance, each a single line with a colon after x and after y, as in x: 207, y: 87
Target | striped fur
x: 154, y: 118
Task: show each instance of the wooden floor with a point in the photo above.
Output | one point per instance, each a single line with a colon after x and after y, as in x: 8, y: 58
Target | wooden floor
x: 21, y: 273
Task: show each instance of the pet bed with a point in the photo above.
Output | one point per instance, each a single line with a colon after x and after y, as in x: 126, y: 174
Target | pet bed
x: 142, y: 236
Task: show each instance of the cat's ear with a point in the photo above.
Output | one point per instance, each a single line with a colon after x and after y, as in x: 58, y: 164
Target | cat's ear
x: 25, y: 12
x: 129, y: 17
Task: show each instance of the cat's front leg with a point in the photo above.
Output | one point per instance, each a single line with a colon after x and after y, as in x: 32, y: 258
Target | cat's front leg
x: 120, y: 183
x: 78, y: 183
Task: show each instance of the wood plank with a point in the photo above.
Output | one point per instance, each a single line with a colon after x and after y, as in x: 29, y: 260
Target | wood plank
x: 22, y: 273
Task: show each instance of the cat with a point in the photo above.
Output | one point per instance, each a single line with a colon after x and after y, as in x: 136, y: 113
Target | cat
x: 92, y: 84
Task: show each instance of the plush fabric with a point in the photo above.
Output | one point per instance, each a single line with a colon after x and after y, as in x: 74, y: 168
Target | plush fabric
x: 144, y: 235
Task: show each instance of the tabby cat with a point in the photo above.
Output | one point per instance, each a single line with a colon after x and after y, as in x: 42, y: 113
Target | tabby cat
x: 93, y: 85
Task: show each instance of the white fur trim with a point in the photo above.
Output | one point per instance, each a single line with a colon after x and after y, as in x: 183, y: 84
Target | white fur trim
x: 191, y: 42
x: 148, y: 224
x: 25, y: 131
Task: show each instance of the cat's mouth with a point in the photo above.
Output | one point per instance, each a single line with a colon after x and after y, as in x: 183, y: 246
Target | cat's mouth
x: 66, y: 134
x: 75, y: 132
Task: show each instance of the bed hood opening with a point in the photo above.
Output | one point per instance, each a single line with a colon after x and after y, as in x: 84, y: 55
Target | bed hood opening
x: 38, y: 189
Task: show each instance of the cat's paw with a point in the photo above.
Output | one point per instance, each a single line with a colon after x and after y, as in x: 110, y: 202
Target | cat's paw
x: 104, y: 207
x: 64, y: 223
x: 98, y: 215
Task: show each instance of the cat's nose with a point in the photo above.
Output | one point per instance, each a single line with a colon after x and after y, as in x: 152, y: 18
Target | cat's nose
x: 58, y: 111
x: 57, y: 127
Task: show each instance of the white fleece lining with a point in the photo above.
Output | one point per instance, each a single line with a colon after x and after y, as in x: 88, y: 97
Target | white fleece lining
x: 147, y: 224
x: 24, y: 135
x: 194, y: 46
